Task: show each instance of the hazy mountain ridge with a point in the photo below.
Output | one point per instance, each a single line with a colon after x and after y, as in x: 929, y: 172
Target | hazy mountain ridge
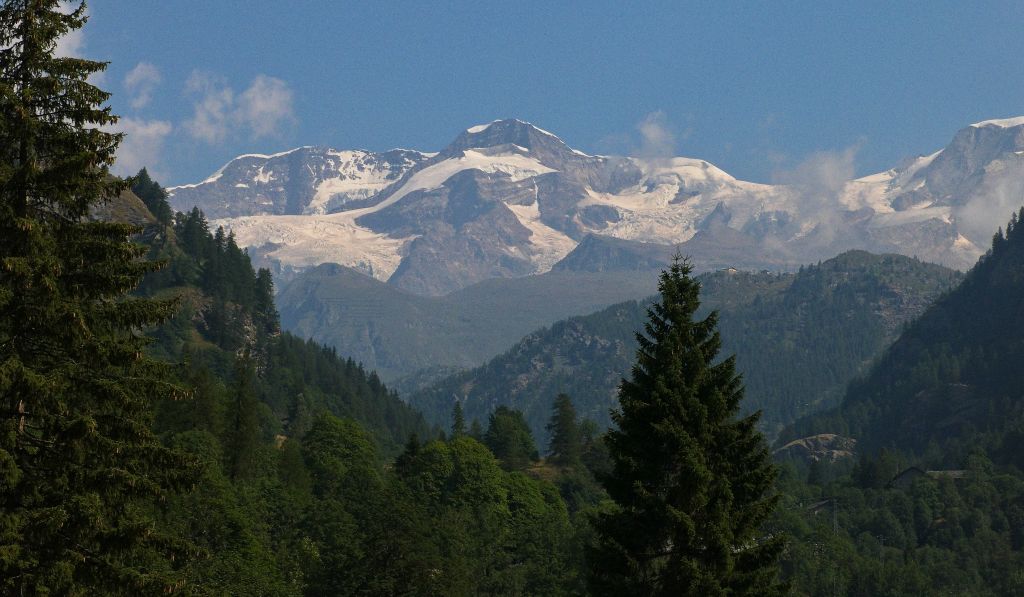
x: 799, y: 338
x: 508, y: 199
x: 951, y: 383
x: 398, y: 333
x: 302, y: 181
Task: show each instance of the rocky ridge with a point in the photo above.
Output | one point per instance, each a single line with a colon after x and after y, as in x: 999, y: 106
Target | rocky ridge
x: 508, y: 199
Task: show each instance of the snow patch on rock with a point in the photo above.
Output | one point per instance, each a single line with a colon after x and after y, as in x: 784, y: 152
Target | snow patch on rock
x: 549, y: 245
x: 514, y: 165
x: 310, y: 240
x: 1001, y: 122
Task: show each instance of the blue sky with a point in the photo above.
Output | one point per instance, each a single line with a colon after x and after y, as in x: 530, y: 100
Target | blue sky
x: 756, y: 88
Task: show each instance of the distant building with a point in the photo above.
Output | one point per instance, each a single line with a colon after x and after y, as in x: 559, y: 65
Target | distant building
x: 906, y: 478
x: 950, y: 474
x: 820, y: 506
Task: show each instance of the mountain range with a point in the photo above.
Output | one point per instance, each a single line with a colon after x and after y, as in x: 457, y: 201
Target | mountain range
x: 397, y: 333
x: 799, y: 339
x: 508, y: 199
x: 949, y: 387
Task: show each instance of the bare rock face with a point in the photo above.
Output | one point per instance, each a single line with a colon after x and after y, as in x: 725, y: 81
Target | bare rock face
x: 307, y: 180
x: 825, y: 446
x: 126, y: 207
x: 597, y: 253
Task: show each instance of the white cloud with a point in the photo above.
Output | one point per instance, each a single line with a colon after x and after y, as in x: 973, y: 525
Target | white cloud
x: 988, y: 208
x: 266, y: 106
x: 72, y: 43
x: 657, y: 143
x: 140, y: 82
x: 657, y: 140
x: 264, y: 109
x: 823, y: 173
x: 818, y: 182
x: 212, y: 110
x: 142, y: 146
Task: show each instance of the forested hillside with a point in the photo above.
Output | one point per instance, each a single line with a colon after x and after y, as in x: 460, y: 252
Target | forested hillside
x: 951, y: 383
x: 799, y: 339
x: 291, y: 498
x: 160, y: 434
x: 934, y: 501
x: 400, y: 334
x: 227, y: 312
x: 297, y: 489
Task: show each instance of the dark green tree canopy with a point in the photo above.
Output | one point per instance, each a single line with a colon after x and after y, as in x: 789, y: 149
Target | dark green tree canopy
x: 691, y: 479
x: 78, y: 460
x: 153, y: 195
x: 458, y: 420
x: 509, y: 438
x: 566, y: 445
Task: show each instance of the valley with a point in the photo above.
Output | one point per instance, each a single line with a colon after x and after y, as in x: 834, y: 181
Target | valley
x: 511, y: 363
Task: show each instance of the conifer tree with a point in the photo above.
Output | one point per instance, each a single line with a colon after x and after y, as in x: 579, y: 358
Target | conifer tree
x: 78, y: 458
x: 265, y: 311
x: 509, y: 438
x: 458, y: 420
x: 245, y: 426
x: 691, y: 478
x: 565, y: 447
x: 476, y: 431
x: 194, y: 232
x: 153, y: 195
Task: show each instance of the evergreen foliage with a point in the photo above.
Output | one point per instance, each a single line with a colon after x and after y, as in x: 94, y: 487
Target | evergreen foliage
x: 691, y: 479
x: 799, y: 339
x: 935, y: 535
x: 153, y: 195
x: 476, y: 431
x: 367, y: 539
x: 277, y: 475
x: 243, y: 417
x: 78, y: 460
x: 945, y: 398
x: 509, y: 438
x: 458, y: 420
x: 496, y: 532
x: 951, y: 383
x: 566, y: 446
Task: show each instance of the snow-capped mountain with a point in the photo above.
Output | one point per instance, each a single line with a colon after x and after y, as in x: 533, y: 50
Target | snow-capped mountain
x: 306, y: 180
x: 509, y: 199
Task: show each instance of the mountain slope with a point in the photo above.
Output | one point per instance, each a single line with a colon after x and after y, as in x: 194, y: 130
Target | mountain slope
x: 507, y: 199
x: 799, y: 338
x: 305, y: 180
x: 227, y: 309
x: 952, y: 380
x: 398, y: 333
x: 597, y: 253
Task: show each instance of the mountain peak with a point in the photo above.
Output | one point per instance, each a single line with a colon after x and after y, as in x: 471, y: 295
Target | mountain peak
x: 304, y: 180
x: 1004, y: 123
x: 509, y: 123
x: 509, y: 131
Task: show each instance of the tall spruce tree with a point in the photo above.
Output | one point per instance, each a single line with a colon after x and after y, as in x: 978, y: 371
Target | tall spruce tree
x: 691, y: 478
x: 153, y: 195
x: 509, y: 439
x: 78, y: 460
x: 565, y: 447
x: 458, y: 420
x: 244, y: 433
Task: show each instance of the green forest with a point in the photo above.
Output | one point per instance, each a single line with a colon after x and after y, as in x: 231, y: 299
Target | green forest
x: 798, y: 339
x: 160, y: 433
